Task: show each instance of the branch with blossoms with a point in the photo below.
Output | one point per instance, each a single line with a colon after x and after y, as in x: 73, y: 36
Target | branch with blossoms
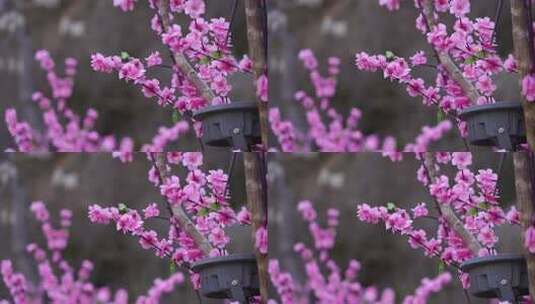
x: 467, y: 211
x: 328, y: 130
x: 177, y: 211
x: 197, y: 206
x: 59, y: 281
x: 201, y: 66
x: 201, y: 60
x: 64, y: 130
x: 326, y: 282
x: 466, y: 59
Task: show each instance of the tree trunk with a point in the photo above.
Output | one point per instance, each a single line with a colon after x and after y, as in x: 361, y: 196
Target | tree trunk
x: 256, y: 15
x: 523, y: 162
x: 255, y: 183
x: 523, y: 45
x: 524, y: 173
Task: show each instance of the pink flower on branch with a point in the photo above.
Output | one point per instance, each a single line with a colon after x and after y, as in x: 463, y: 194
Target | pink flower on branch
x: 58, y: 280
x: 64, y: 130
x: 326, y: 282
x: 201, y: 198
x: 261, y: 240
x: 329, y: 131
x: 529, y: 239
x: 528, y: 87
x: 471, y: 196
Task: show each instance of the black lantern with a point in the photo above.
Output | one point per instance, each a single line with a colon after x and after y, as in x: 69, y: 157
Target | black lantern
x: 235, y: 125
x: 229, y: 277
x: 502, y: 276
x: 499, y: 124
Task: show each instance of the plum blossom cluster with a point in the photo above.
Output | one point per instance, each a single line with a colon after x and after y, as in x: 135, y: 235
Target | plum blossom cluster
x: 325, y: 281
x: 59, y: 281
x: 328, y: 130
x: 203, y: 196
x: 467, y: 60
x: 66, y: 131
x: 204, y: 47
x: 470, y: 196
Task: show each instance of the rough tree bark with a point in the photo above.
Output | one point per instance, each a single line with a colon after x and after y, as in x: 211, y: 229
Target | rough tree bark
x: 255, y: 183
x: 523, y: 162
x: 524, y: 173
x: 178, y: 213
x: 523, y: 45
x: 256, y: 14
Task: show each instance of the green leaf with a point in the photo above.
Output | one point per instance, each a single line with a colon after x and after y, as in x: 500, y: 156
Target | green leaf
x: 441, y: 267
x: 175, y: 116
x: 470, y: 60
x: 472, y: 211
x: 484, y: 206
x: 123, y: 208
x: 205, y: 60
x: 202, y: 212
x: 440, y: 116
x: 172, y: 268
x: 390, y: 55
x: 215, y: 207
x: 391, y: 207
x: 125, y: 55
x: 481, y: 54
x: 217, y: 54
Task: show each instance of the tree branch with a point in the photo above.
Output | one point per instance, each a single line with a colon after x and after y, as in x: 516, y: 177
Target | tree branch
x: 255, y: 12
x: 182, y: 62
x: 445, y: 60
x: 447, y: 211
x: 255, y: 183
x: 178, y: 213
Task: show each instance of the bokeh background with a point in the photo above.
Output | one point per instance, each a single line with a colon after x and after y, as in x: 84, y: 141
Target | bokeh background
x: 343, y: 28
x: 78, y: 29
x: 337, y: 180
x: 75, y: 181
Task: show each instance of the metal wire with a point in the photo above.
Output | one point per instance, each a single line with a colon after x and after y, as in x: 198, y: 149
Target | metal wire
x: 232, y: 18
x: 528, y: 6
x: 265, y: 29
x: 503, y: 155
x: 230, y: 169
x: 499, y: 7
